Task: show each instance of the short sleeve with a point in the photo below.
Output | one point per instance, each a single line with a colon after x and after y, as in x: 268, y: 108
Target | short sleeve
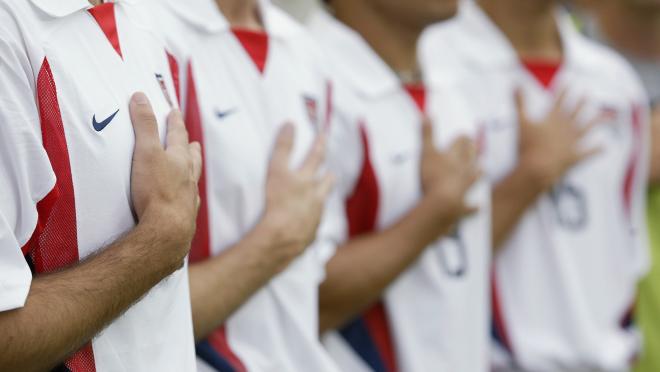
x: 26, y: 176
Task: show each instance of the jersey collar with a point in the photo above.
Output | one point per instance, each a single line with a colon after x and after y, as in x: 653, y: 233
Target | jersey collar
x: 62, y: 8
x: 485, y: 37
x: 359, y: 64
x: 205, y: 16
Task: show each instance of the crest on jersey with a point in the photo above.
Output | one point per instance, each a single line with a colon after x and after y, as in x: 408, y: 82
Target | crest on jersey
x: 163, y: 87
x: 311, y: 104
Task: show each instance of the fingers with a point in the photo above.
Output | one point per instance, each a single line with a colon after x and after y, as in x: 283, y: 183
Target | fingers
x: 325, y: 185
x: 465, y: 148
x: 575, y: 113
x: 591, y: 124
x: 195, y: 151
x: 315, y: 156
x: 144, y: 121
x: 177, y: 135
x: 560, y: 100
x: 283, y: 147
x: 586, y: 153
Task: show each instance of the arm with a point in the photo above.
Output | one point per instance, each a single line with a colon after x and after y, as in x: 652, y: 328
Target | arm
x: 362, y: 268
x: 65, y: 309
x: 654, y: 172
x: 294, y: 204
x: 547, y: 150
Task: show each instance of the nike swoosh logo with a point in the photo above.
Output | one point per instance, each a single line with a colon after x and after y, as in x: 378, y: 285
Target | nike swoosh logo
x: 99, y: 126
x: 223, y: 114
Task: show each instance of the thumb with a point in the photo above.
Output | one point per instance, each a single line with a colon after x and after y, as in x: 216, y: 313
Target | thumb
x: 144, y: 122
x: 283, y: 146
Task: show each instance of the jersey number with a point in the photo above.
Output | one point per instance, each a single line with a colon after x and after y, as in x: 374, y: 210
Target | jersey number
x: 570, y: 206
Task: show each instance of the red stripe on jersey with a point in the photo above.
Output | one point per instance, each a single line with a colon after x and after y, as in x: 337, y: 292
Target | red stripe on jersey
x: 104, y: 15
x: 362, y: 212
x: 218, y: 341
x: 44, y: 207
x: 174, y: 70
x: 255, y: 44
x: 201, y: 244
x: 631, y: 170
x: 362, y: 205
x: 498, y: 316
x: 418, y: 94
x: 57, y: 245
x: 543, y: 71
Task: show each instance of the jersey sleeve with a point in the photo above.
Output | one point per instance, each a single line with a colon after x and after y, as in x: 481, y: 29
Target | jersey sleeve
x: 26, y: 176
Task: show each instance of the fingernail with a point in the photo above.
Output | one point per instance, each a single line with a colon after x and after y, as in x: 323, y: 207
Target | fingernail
x: 140, y: 98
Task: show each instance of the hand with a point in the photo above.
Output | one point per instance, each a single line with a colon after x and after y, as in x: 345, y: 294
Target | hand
x: 295, y: 199
x: 164, y: 180
x: 447, y: 176
x: 549, y: 148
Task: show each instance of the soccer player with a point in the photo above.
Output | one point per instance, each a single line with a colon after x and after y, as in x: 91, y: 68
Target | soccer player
x: 633, y: 28
x: 247, y: 69
x: 567, y: 128
x: 96, y: 214
x: 400, y: 298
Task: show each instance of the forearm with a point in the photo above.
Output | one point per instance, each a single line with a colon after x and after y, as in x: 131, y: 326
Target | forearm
x: 365, y: 266
x: 511, y: 198
x: 221, y: 284
x: 66, y: 309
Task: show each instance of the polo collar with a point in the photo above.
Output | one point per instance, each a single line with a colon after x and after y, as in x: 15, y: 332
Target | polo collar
x: 63, y: 8
x: 483, y: 36
x: 358, y: 63
x: 206, y: 17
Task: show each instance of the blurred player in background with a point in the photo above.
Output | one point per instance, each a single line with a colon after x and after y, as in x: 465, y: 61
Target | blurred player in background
x: 633, y: 28
x: 567, y: 128
x: 246, y: 70
x: 75, y: 176
x: 399, y: 298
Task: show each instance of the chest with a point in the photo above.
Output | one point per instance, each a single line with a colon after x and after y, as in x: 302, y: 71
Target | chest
x: 242, y: 109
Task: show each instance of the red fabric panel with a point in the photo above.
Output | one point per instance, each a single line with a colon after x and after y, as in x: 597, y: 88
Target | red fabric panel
x: 174, y: 70
x: 104, y: 15
x: 218, y: 341
x: 418, y: 93
x: 362, y: 205
x: 543, y: 71
x: 255, y: 44
x: 362, y: 212
x: 57, y: 244
x: 200, y: 248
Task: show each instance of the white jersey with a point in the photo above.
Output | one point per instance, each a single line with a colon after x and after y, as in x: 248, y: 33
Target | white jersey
x: 239, y: 88
x: 566, y: 277
x: 67, y: 72
x: 435, y: 316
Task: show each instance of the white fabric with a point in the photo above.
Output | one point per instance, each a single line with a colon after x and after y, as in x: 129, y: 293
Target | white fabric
x: 91, y: 80
x: 276, y: 329
x: 439, y: 321
x: 563, y: 287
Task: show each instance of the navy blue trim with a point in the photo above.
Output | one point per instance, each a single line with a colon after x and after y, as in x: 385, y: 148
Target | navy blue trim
x: 206, y: 352
x: 497, y: 337
x: 357, y: 335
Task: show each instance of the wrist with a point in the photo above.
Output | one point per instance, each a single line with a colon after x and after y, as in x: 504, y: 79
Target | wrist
x: 166, y: 234
x: 275, y: 245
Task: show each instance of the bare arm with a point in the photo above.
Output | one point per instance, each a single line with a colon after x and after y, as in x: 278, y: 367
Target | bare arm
x: 64, y: 310
x: 294, y: 204
x: 654, y: 172
x: 546, y: 151
x: 361, y: 269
